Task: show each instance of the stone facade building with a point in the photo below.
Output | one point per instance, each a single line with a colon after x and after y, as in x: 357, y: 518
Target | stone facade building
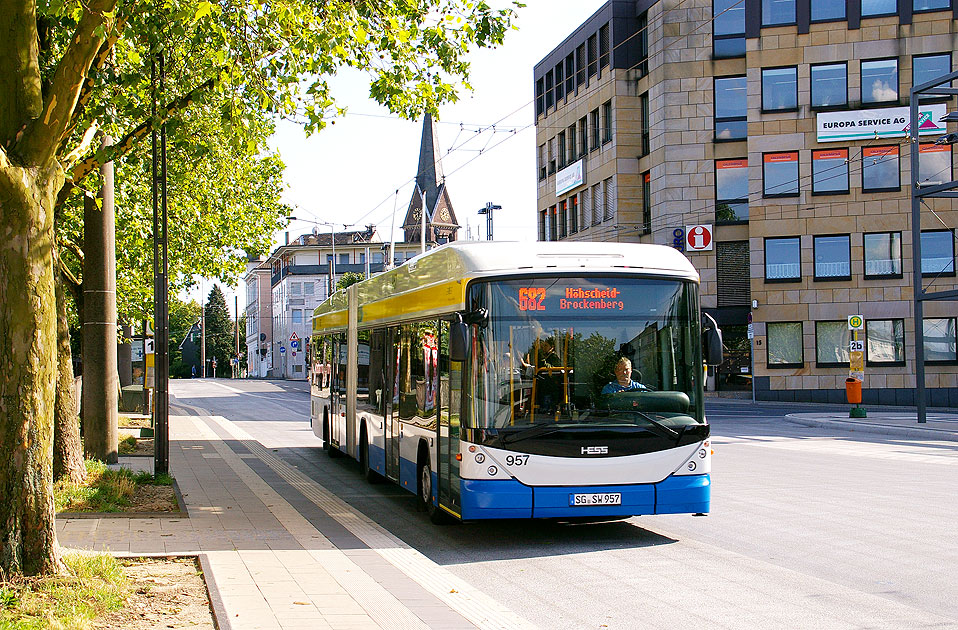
x: 777, y: 127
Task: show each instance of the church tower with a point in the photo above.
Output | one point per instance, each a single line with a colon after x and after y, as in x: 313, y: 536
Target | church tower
x: 430, y: 195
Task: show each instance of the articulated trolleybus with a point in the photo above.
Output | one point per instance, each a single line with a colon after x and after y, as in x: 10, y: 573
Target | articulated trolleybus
x: 493, y: 380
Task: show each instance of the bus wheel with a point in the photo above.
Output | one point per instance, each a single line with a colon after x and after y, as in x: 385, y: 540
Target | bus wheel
x: 371, y: 475
x: 425, y: 502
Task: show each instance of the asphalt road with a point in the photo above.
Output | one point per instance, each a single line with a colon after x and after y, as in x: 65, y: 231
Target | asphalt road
x: 810, y: 528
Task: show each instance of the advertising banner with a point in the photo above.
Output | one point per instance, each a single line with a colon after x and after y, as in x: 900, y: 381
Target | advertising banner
x: 888, y: 122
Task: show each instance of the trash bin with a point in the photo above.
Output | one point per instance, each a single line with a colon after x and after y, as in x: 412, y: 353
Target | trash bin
x: 853, y: 390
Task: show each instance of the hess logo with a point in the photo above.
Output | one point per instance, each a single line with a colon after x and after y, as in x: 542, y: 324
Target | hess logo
x: 595, y: 450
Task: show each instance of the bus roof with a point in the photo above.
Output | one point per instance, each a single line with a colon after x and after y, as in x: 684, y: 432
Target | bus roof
x: 435, y: 282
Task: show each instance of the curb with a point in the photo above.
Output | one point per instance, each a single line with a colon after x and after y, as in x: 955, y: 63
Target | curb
x: 220, y: 617
x: 871, y: 427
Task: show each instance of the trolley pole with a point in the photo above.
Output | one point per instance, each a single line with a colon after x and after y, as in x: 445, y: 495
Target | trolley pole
x: 487, y: 210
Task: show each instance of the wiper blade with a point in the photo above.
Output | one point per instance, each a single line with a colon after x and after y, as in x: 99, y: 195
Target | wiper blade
x: 531, y: 432
x: 670, y: 432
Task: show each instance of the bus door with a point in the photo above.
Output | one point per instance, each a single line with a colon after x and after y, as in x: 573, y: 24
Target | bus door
x: 391, y: 431
x: 450, y: 403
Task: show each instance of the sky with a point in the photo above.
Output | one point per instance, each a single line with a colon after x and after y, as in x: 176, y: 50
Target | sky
x: 349, y: 172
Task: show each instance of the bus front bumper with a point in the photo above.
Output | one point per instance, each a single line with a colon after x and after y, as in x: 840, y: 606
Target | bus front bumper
x: 682, y: 494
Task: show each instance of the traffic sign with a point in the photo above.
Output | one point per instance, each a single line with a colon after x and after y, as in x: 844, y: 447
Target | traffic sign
x: 751, y: 330
x: 294, y: 337
x: 698, y: 237
x: 294, y: 353
x: 294, y: 343
x: 282, y: 349
x: 856, y: 322
x: 856, y: 345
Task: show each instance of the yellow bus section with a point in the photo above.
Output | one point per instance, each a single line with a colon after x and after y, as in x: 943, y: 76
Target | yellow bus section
x: 427, y: 285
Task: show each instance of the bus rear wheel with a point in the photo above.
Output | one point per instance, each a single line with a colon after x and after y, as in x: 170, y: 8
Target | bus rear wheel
x: 368, y: 473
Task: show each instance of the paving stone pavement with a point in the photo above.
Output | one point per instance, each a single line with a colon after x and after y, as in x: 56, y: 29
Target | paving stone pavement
x: 280, y: 551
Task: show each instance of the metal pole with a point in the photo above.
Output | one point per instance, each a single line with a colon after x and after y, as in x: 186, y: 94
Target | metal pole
x: 161, y: 444
x: 422, y: 227
x: 916, y: 266
x: 236, y: 311
x: 332, y: 238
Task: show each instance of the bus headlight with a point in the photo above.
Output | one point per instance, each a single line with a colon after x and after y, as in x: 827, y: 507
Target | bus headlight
x: 480, y: 458
x: 493, y: 471
x: 691, y: 466
x: 702, y: 453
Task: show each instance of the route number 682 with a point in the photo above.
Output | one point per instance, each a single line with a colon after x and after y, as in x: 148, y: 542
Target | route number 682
x: 517, y: 460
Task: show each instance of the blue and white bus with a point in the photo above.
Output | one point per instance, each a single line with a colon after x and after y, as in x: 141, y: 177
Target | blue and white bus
x: 522, y: 380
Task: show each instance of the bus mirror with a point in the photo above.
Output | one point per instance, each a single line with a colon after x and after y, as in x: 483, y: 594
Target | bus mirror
x: 713, y: 341
x: 458, y: 341
x: 480, y: 317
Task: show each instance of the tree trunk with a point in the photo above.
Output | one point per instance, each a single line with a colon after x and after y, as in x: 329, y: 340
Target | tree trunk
x: 67, y: 447
x: 28, y: 541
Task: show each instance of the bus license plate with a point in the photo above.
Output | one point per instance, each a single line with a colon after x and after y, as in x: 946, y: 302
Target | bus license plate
x: 598, y: 498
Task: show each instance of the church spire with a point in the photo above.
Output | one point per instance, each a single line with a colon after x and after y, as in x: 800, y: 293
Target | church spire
x: 429, y: 175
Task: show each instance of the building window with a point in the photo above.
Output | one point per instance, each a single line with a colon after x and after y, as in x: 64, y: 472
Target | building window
x: 607, y: 122
x: 308, y: 288
x: 731, y: 191
x: 883, y: 255
x: 731, y: 108
x: 644, y: 104
x: 594, y: 129
x: 777, y: 12
x: 940, y: 340
x: 571, y: 137
x: 885, y: 341
x: 934, y: 164
x: 597, y: 204
x: 779, y: 89
x: 646, y: 203
x: 833, y: 257
x: 583, y: 135
x: 938, y: 253
x: 553, y: 214
x: 879, y: 81
x: 580, y: 65
x: 829, y: 85
x: 593, y: 45
x: 297, y: 316
x: 872, y: 8
x: 604, y: 46
x: 831, y: 344
x: 728, y: 29
x: 609, y: 198
x: 549, y: 93
x: 827, y: 10
x: 569, y: 73
x: 540, y: 98
x: 542, y: 224
x: 560, y: 143
x: 343, y: 259
x: 783, y: 259
x: 563, y: 218
x: 542, y: 162
x: 378, y: 258
x: 928, y: 68
x: 642, y: 37
x: 295, y: 288
x: 880, y: 171
x: 931, y: 5
x: 784, y: 344
x: 780, y: 174
x: 560, y: 82
x: 574, y: 214
x: 830, y: 171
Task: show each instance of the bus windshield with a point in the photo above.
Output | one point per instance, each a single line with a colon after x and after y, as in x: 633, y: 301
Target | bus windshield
x: 607, y: 351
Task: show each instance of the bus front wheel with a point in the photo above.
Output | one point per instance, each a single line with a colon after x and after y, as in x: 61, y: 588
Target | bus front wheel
x: 425, y: 502
x: 368, y: 473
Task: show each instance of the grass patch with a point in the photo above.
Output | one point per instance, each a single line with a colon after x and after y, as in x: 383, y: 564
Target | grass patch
x: 126, y: 422
x: 96, y: 585
x: 127, y: 444
x: 105, y: 489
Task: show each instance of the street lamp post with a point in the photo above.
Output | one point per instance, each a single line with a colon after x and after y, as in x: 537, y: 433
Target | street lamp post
x: 487, y: 210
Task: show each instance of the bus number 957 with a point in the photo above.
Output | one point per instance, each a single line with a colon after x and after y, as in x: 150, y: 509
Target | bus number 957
x: 517, y: 460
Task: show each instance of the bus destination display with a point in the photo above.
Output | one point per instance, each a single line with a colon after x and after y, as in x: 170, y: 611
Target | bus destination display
x: 571, y: 298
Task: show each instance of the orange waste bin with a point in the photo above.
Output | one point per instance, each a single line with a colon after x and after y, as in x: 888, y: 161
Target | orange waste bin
x: 853, y: 390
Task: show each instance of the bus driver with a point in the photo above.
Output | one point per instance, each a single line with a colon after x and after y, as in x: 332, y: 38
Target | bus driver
x: 623, y: 379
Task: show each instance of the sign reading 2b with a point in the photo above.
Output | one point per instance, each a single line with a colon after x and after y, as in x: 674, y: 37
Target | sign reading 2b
x: 698, y: 238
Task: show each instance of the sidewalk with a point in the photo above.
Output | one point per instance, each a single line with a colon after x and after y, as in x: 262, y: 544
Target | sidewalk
x: 279, y: 551
x: 902, y: 422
